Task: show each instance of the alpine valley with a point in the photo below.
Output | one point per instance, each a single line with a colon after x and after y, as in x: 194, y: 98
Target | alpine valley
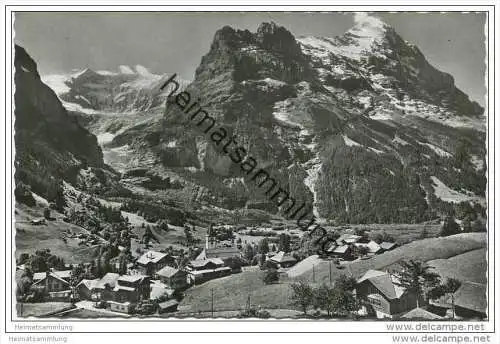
x: 360, y: 126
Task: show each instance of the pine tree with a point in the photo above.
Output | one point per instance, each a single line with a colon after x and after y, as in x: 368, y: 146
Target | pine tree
x: 450, y: 227
x: 415, y: 276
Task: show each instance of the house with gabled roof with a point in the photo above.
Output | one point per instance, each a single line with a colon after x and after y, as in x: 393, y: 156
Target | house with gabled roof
x: 470, y: 301
x: 86, y: 288
x: 347, y: 239
x: 282, y: 260
x: 383, y: 295
x: 152, y: 261
x: 372, y: 247
x: 103, y: 288
x: 132, y: 288
x: 173, y: 278
x: 200, y: 271
x: 343, y: 251
x: 55, y: 283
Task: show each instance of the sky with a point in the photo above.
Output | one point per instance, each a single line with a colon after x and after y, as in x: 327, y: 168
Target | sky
x: 172, y: 42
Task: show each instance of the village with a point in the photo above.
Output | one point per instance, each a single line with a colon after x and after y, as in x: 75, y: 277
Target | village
x: 153, y: 281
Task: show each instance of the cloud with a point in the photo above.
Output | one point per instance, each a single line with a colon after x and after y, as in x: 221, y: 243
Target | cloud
x: 362, y: 19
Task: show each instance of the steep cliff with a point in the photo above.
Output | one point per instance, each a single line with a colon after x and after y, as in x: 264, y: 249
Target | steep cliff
x: 50, y: 145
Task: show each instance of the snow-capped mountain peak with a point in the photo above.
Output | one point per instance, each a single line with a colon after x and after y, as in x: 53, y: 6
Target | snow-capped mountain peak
x: 141, y: 70
x: 368, y: 25
x: 368, y: 36
x: 126, y: 69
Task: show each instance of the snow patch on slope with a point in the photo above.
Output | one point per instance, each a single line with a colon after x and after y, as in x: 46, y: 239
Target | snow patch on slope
x: 141, y: 70
x: 106, y: 72
x: 105, y: 138
x: 40, y: 200
x: 57, y: 82
x: 125, y: 69
x: 439, y: 151
x: 349, y: 142
x: 399, y: 141
x: 281, y: 114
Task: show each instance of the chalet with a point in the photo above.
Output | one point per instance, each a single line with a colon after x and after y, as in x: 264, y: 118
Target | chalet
x: 200, y: 271
x: 347, y: 239
x: 387, y: 246
x: 372, y: 247
x: 86, y: 288
x: 383, y: 295
x: 212, y: 263
x: 55, y: 283
x: 282, y: 260
x: 151, y: 262
x: 103, y: 288
x: 200, y: 276
x: 168, y: 306
x: 63, y: 274
x: 344, y: 252
x: 470, y: 301
x: 121, y: 293
x: 132, y: 288
x: 173, y: 278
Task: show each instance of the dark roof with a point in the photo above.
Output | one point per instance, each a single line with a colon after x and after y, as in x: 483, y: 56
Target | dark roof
x: 198, y: 263
x: 168, y: 304
x: 472, y: 296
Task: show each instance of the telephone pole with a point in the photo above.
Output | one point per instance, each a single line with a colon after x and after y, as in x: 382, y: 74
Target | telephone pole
x: 313, y: 275
x: 248, y: 304
x: 330, y: 266
x: 212, y: 290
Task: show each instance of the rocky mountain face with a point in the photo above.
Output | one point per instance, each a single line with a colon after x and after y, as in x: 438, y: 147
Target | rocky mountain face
x: 360, y: 126
x: 50, y: 145
x: 129, y: 91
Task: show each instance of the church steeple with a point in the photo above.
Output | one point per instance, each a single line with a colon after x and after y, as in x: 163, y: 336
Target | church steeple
x: 211, y: 240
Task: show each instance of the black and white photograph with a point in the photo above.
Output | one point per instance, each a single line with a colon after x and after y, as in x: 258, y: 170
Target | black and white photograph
x: 250, y: 165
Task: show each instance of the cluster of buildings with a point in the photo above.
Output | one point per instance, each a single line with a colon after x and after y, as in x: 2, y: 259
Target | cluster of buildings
x: 154, y: 275
x: 346, y: 245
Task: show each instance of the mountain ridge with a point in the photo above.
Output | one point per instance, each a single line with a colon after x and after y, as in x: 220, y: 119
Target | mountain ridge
x: 339, y: 121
